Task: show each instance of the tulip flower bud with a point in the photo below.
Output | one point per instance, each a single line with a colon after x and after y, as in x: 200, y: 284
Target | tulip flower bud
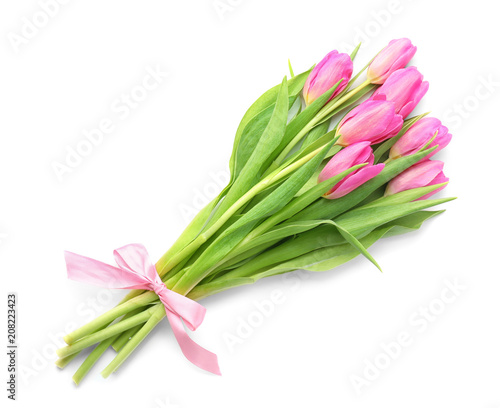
x: 405, y: 87
x: 427, y: 173
x: 326, y: 74
x: 418, y: 136
x: 357, y: 153
x: 374, y: 121
x: 393, y: 57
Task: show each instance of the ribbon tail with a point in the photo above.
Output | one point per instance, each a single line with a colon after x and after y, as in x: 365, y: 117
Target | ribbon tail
x: 87, y: 270
x: 199, y: 356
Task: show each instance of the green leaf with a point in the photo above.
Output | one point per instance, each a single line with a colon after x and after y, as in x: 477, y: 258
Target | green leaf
x: 268, y: 99
x: 315, y: 133
x: 250, y: 138
x: 404, y: 196
x: 410, y: 222
x: 330, y: 252
x: 290, y: 69
x: 277, y: 234
x: 190, y: 233
x: 355, y: 52
x: 321, y: 141
x: 296, y: 125
x: 283, y: 193
x: 322, y: 259
x: 353, y: 224
x: 351, y: 239
x: 322, y: 236
x: 269, y: 140
x: 207, y: 289
x: 265, y: 241
x: 330, y: 257
x: 311, y: 240
x: 363, y: 220
x: 294, y: 130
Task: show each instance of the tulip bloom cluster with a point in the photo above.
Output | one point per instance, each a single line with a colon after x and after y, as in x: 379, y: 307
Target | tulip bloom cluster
x: 380, y: 118
x: 308, y: 193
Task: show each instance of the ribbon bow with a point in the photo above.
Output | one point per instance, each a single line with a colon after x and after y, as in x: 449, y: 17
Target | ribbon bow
x: 136, y: 271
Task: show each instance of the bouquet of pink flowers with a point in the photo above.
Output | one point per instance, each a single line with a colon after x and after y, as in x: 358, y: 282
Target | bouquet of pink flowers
x: 316, y: 178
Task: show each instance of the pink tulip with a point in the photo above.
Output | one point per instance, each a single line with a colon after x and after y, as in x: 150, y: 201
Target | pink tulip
x: 417, y: 137
x: 357, y: 153
x: 393, y: 57
x: 405, y: 87
x: 331, y: 69
x: 374, y: 121
x: 427, y: 173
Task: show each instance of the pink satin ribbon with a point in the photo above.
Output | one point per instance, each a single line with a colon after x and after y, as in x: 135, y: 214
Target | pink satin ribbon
x: 136, y: 271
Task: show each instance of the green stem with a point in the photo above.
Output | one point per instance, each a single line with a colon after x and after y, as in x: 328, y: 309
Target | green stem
x: 92, y: 359
x: 63, y: 362
x: 125, y: 337
x: 154, y: 315
x: 157, y: 314
x: 105, y: 333
x: 99, y: 351
x: 110, y: 315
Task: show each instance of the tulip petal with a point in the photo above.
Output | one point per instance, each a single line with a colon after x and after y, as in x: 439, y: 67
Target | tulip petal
x: 331, y: 69
x: 417, y: 96
x: 440, y: 178
x: 418, y: 135
x: 345, y: 159
x: 353, y: 181
x: 393, y: 57
x: 418, y: 175
x: 405, y: 87
x: 372, y: 120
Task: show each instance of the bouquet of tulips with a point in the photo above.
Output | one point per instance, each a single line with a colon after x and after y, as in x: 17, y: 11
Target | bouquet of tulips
x: 323, y: 165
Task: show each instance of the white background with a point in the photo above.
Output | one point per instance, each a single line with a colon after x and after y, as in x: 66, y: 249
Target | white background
x: 139, y: 184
